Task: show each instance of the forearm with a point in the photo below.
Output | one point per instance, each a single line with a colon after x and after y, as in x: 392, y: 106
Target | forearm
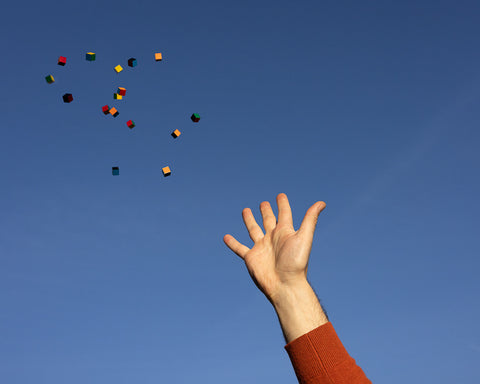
x: 299, y: 311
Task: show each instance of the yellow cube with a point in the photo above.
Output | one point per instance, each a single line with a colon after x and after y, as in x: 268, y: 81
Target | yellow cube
x: 166, y: 171
x: 117, y: 96
x: 118, y: 68
x: 158, y: 56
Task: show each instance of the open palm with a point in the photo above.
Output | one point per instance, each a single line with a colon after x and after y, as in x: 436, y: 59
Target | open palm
x: 279, y: 257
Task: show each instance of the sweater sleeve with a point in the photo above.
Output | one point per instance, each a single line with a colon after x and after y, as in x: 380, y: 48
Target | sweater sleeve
x: 319, y: 357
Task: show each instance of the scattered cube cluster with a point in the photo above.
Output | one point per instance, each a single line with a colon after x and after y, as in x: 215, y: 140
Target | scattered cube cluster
x: 121, y: 92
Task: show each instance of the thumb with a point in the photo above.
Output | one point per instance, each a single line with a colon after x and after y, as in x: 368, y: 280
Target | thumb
x: 309, y: 222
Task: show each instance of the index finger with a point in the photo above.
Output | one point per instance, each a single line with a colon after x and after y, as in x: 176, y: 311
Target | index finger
x: 284, y: 210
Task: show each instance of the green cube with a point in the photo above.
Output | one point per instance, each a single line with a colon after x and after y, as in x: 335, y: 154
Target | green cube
x: 50, y: 79
x: 195, y: 117
x: 91, y: 56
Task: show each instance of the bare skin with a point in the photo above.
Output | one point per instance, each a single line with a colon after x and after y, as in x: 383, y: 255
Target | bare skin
x: 278, y: 261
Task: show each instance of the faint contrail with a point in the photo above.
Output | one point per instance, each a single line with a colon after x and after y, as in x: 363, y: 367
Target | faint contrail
x: 434, y: 131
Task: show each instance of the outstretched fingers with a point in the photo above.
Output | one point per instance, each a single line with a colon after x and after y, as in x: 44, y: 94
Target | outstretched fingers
x: 232, y: 243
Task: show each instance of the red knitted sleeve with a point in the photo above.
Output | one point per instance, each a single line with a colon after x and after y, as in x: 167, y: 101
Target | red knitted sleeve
x: 319, y: 357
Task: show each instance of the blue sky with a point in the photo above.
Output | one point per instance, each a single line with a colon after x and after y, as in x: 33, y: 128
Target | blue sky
x: 369, y: 106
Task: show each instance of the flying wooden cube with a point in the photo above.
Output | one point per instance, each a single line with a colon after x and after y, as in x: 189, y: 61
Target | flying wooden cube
x: 130, y: 124
x: 113, y: 112
x: 166, y: 171
x: 91, y: 56
x: 195, y: 117
x: 117, y: 96
x: 176, y: 133
x: 118, y: 68
x: 115, y: 171
x: 132, y: 62
x: 105, y: 109
x: 62, y: 60
x: 158, y: 57
x: 121, y: 91
x: 50, y: 79
x: 67, y: 98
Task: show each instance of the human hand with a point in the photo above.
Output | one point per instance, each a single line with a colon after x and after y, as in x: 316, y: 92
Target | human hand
x: 279, y: 258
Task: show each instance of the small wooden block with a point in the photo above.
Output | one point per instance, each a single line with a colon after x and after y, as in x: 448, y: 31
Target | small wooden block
x: 195, y: 117
x: 115, y: 171
x: 121, y: 91
x: 166, y: 171
x: 91, y: 56
x: 158, y: 57
x: 117, y: 96
x: 118, y: 68
x: 176, y: 133
x: 62, y: 60
x: 132, y: 62
x: 130, y: 124
x: 67, y: 98
x: 113, y: 112
x: 50, y: 79
x: 105, y: 109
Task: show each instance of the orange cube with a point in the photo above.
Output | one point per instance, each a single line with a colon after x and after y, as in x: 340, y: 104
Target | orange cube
x: 158, y: 57
x: 113, y: 112
x: 166, y: 171
x: 176, y: 133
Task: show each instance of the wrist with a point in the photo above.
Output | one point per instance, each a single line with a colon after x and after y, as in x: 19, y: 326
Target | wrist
x: 298, y: 310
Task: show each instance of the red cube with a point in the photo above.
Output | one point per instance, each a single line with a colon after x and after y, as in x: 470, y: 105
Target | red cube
x: 105, y: 109
x: 67, y: 98
x: 130, y: 124
x: 122, y: 91
x: 62, y: 60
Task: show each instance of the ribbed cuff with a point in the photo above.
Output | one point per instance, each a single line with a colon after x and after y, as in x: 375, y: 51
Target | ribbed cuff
x: 318, y: 354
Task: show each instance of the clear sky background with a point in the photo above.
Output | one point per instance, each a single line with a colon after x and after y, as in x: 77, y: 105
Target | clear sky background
x: 372, y: 107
